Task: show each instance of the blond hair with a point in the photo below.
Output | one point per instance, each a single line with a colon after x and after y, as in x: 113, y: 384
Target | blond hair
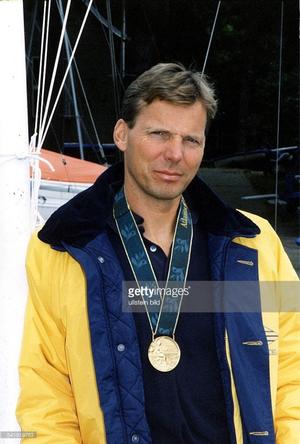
x: 171, y: 82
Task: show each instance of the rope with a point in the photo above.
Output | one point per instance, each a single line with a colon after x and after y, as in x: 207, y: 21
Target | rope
x: 44, y: 131
x: 36, y: 175
x: 278, y: 117
x: 34, y: 158
x: 23, y: 156
x: 40, y: 71
x: 45, y: 64
x: 51, y: 126
x: 38, y: 138
x: 211, y: 37
x: 34, y: 150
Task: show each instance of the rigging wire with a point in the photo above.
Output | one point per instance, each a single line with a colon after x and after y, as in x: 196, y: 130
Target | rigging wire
x: 104, y: 23
x: 35, y: 86
x: 72, y: 85
x: 93, y: 146
x: 28, y: 56
x: 36, y: 145
x: 36, y: 218
x: 46, y: 127
x: 40, y: 71
x: 102, y: 20
x: 90, y: 114
x: 108, y: 44
x: 42, y: 129
x: 87, y: 103
x: 278, y: 116
x: 119, y: 75
x: 211, y: 37
x: 113, y: 60
x: 45, y: 64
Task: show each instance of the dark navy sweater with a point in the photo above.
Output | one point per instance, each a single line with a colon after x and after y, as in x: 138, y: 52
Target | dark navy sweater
x: 185, y: 405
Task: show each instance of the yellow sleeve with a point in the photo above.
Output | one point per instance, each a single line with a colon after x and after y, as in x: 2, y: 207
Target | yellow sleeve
x: 46, y: 403
x: 287, y: 419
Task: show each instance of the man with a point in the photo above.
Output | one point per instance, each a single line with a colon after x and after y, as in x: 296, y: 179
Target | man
x: 91, y: 371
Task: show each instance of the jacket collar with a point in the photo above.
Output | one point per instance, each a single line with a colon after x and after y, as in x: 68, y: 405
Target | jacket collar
x: 82, y: 218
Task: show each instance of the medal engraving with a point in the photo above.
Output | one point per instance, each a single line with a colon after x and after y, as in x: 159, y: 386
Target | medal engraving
x: 164, y: 353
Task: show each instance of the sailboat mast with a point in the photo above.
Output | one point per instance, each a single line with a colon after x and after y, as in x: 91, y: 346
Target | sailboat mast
x: 15, y: 205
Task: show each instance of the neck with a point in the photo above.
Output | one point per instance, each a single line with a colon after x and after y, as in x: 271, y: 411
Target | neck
x: 159, y: 217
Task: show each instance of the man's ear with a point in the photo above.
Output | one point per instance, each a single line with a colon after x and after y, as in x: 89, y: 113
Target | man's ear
x: 121, y: 134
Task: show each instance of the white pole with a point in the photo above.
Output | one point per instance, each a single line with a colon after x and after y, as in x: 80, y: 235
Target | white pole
x: 14, y: 207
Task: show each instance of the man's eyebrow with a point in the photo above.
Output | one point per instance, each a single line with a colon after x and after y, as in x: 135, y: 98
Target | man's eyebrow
x: 156, y: 128
x: 199, y: 137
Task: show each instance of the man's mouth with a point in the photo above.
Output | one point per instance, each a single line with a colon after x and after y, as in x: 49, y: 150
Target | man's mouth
x: 168, y: 175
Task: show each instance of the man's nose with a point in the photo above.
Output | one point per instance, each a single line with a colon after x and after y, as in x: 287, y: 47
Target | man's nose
x: 174, y: 149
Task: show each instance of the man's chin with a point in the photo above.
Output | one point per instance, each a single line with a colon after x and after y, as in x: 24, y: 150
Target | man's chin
x: 166, y: 194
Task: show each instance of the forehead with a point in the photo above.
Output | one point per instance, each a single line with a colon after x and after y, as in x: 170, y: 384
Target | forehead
x: 172, y: 117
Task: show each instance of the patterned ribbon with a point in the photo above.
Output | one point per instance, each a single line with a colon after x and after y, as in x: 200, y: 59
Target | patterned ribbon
x: 162, y: 312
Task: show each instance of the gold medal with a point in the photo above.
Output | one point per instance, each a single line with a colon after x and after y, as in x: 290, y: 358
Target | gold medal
x: 164, y: 353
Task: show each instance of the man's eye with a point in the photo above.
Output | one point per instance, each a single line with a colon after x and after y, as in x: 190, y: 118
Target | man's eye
x: 160, y: 134
x: 192, y: 141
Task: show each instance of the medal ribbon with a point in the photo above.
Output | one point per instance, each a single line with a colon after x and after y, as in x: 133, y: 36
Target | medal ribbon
x: 162, y: 312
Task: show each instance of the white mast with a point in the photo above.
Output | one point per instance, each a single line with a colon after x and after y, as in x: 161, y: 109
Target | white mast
x: 15, y: 206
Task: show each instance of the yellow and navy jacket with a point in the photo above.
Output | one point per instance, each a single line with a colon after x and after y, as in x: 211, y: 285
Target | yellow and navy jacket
x: 78, y: 386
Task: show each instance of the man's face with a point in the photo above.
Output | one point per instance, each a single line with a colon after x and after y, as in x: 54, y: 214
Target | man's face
x: 164, y: 149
